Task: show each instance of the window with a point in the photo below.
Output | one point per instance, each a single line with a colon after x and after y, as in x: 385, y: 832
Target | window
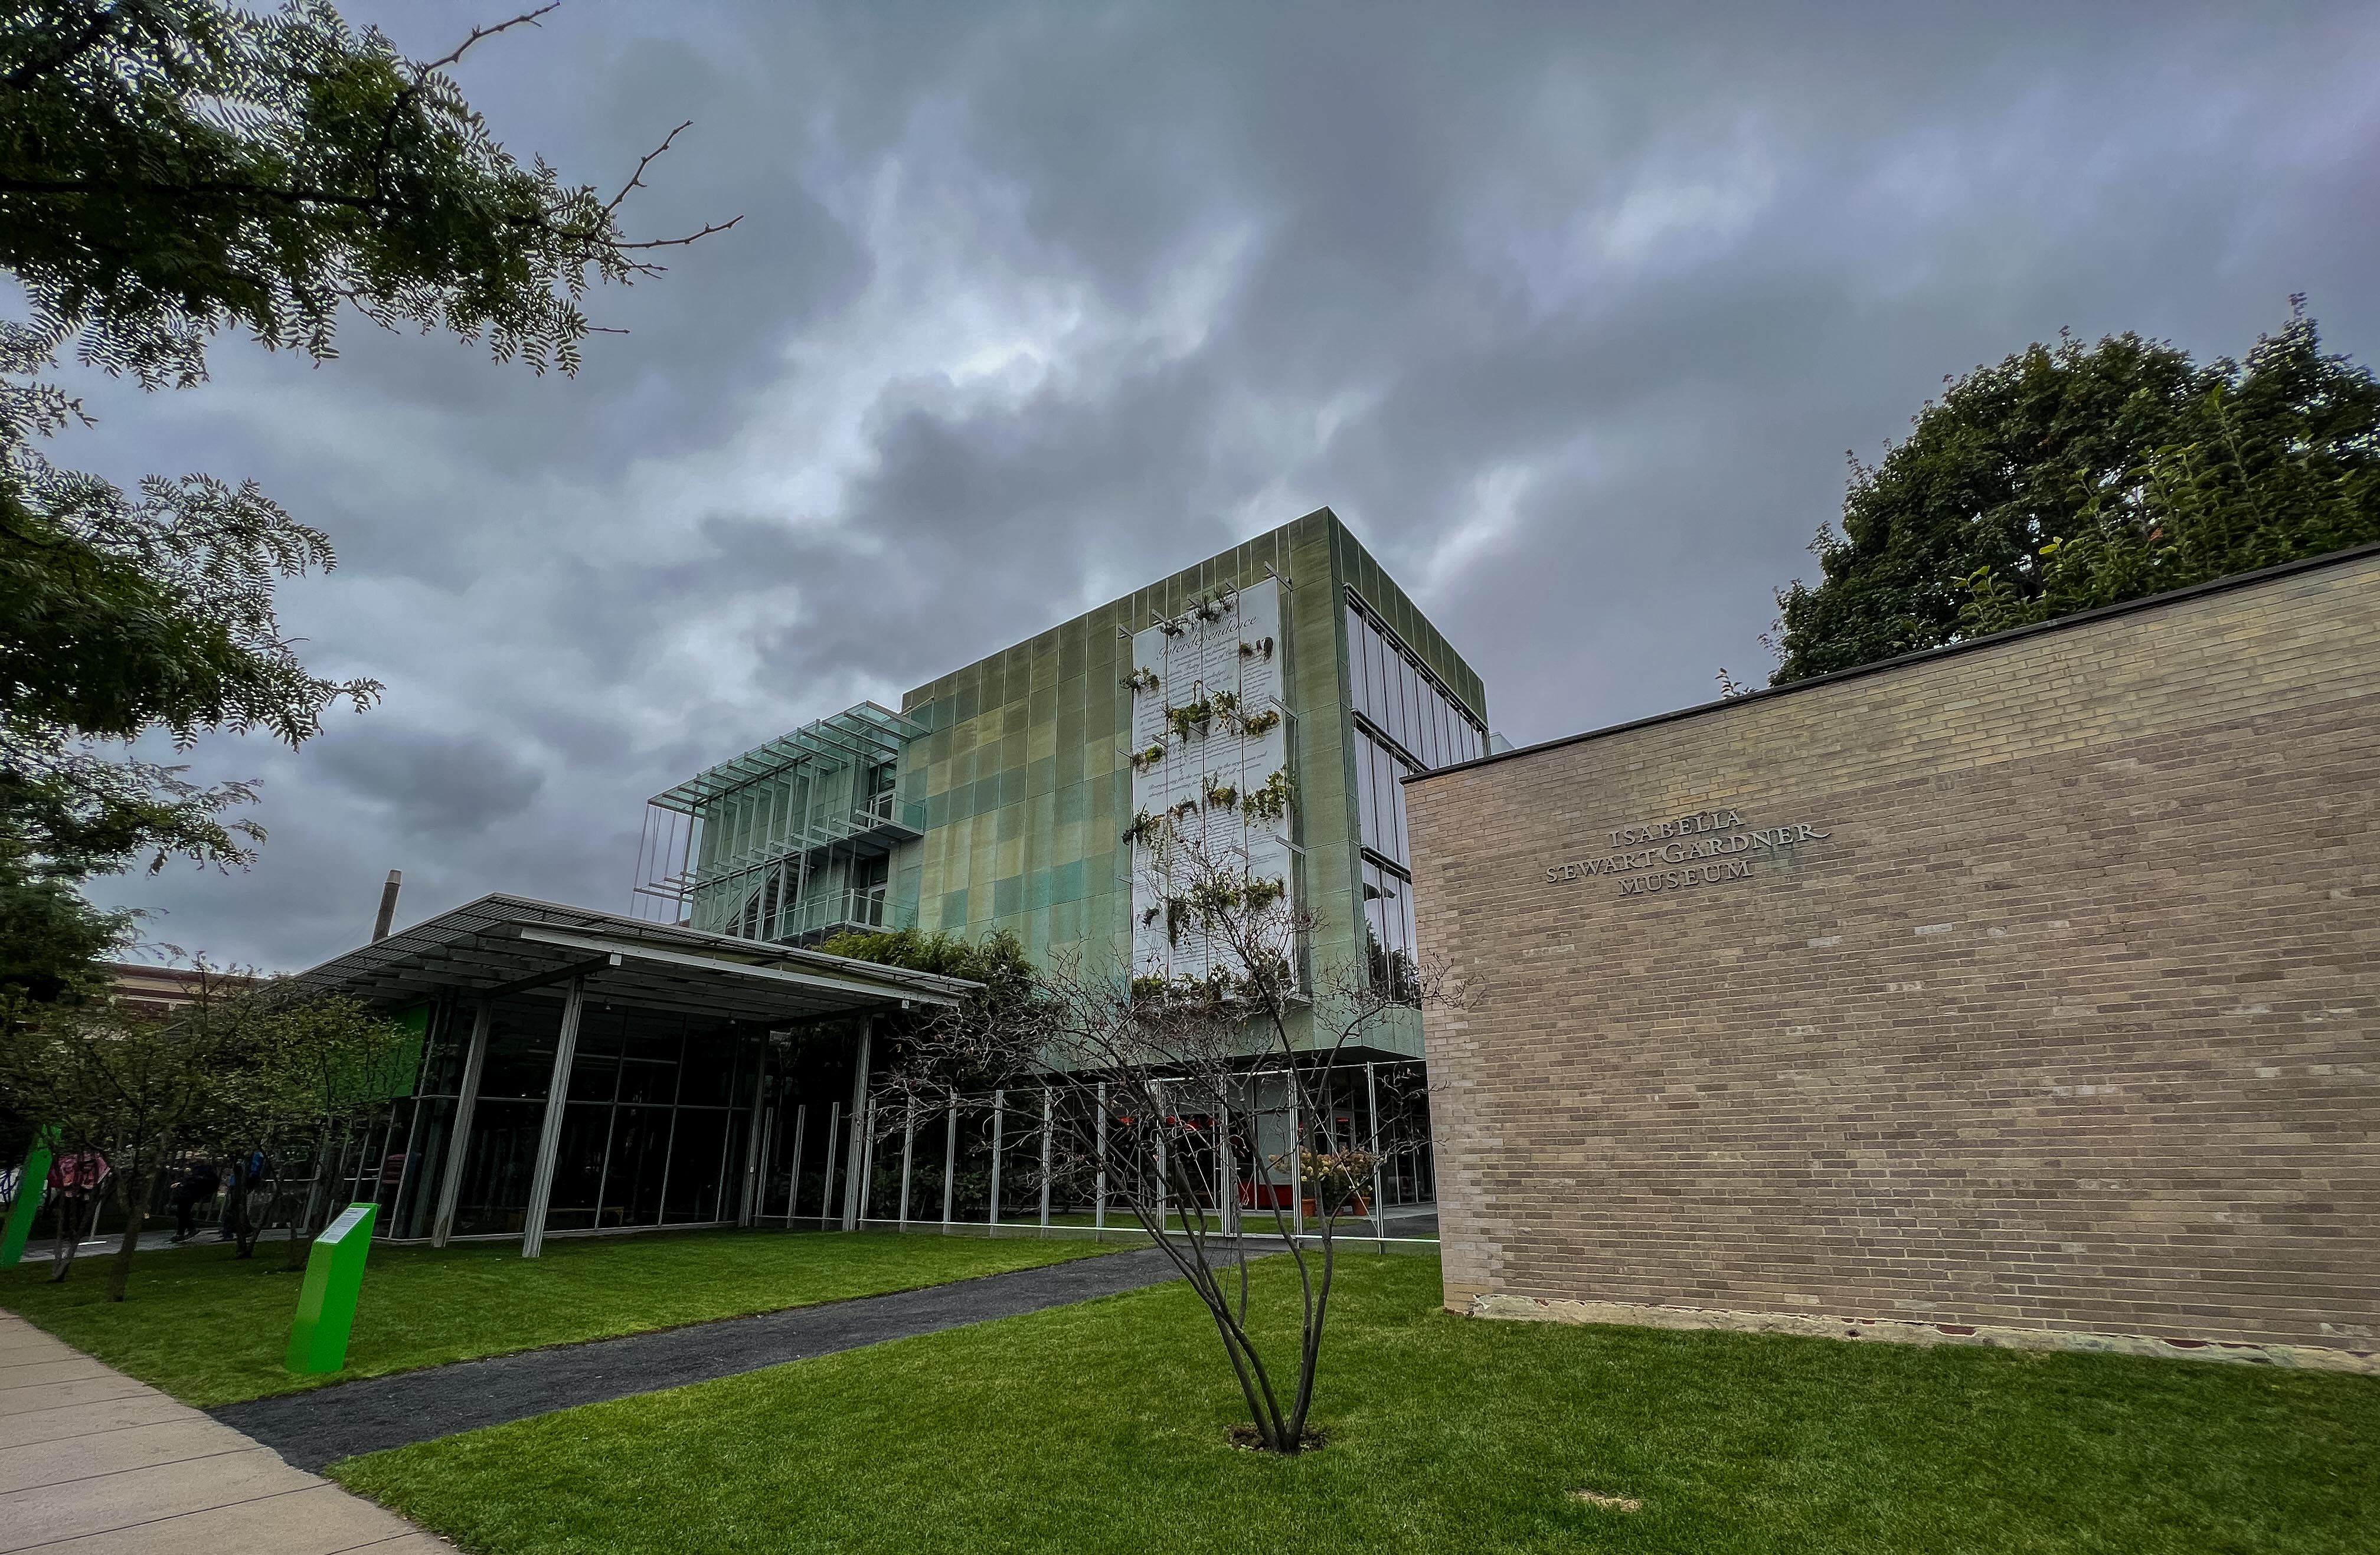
x: 1408, y: 722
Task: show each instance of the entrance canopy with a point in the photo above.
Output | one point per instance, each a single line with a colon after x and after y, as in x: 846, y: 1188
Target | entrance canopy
x: 593, y: 1072
x: 501, y: 945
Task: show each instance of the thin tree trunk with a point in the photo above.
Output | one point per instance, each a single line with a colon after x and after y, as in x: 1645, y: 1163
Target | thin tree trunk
x: 301, y: 1224
x: 69, y: 1235
x: 234, y: 1211
x: 136, y: 1210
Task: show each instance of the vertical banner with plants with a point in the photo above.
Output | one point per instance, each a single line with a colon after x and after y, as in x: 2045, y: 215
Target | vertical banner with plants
x: 1209, y: 763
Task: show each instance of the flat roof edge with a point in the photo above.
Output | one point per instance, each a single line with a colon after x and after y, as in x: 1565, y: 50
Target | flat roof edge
x: 1928, y: 655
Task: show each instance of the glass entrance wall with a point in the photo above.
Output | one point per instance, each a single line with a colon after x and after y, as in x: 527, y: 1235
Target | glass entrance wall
x: 653, y: 1128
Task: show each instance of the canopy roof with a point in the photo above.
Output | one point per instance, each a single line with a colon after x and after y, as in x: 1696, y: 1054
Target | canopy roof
x: 866, y: 734
x: 509, y: 944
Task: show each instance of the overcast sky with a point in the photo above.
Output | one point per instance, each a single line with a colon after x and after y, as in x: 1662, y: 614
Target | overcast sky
x: 1570, y: 312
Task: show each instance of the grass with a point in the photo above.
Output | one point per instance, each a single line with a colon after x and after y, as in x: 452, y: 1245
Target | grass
x: 210, y: 1328
x: 1446, y: 1434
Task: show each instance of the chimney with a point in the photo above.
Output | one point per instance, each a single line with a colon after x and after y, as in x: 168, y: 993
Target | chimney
x: 388, y: 903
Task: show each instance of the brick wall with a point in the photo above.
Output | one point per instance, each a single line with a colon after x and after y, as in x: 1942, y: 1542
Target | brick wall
x: 2062, y: 1016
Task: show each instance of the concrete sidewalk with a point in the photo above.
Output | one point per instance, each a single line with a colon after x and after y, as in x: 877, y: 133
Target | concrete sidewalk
x: 92, y: 1463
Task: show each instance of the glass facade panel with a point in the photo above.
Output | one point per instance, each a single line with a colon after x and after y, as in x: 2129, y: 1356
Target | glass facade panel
x: 632, y: 1191
x: 1403, y: 701
x: 696, y: 1152
x: 496, y: 1167
x: 578, y: 1166
x: 657, y: 1106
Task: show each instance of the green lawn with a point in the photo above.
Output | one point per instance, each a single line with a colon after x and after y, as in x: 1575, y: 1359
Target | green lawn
x: 1110, y: 1419
x: 210, y: 1328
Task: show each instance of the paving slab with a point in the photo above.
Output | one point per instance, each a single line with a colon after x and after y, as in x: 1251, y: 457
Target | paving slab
x: 71, y: 1422
x: 173, y: 1440
x: 66, y: 1395
x: 317, y: 1428
x: 91, y: 1461
x: 319, y: 1520
x: 42, y: 1373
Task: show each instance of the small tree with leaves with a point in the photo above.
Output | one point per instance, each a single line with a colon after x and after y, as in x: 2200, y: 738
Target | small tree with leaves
x: 144, y: 1088
x: 1151, y: 1069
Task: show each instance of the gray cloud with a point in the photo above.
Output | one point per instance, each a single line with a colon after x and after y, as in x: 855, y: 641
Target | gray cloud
x: 1570, y: 313
x: 446, y: 789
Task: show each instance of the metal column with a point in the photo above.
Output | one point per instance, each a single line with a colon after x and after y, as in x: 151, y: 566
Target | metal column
x: 750, y: 1207
x: 833, y: 1142
x: 950, y: 1156
x: 1226, y: 1169
x: 794, y: 1186
x: 858, y: 1154
x: 1048, y: 1119
x: 909, y: 1150
x: 865, y: 1144
x: 1372, y: 1104
x: 1164, y: 1177
x: 1296, y: 1158
x: 548, y: 1138
x: 999, y: 1117
x: 459, y: 1139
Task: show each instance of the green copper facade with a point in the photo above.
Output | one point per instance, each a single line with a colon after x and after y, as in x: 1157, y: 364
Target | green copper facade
x: 1015, y: 788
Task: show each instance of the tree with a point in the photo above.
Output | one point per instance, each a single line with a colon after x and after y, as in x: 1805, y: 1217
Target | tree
x: 1152, y: 1074
x: 245, y: 1060
x: 2070, y: 477
x: 170, y: 169
x: 49, y: 935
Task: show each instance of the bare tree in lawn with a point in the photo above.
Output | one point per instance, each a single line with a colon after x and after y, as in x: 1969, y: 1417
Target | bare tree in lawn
x: 1149, y: 1073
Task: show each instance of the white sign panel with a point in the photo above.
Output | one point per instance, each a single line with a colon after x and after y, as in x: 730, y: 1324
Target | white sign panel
x: 1209, y: 758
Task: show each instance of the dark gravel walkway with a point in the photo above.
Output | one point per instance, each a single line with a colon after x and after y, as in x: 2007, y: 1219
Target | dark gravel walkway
x: 319, y: 1428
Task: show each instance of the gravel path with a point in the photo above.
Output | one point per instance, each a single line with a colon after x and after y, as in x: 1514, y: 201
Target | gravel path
x: 312, y: 1429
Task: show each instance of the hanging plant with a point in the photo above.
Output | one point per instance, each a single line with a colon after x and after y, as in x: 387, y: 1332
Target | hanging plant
x: 1225, y: 703
x: 1271, y: 802
x: 1147, y: 918
x: 1140, y: 680
x: 1260, y: 723
x: 1218, y: 795
x: 1192, y: 718
x: 1171, y: 628
x: 1143, y: 828
x: 1177, y: 913
x: 1184, y: 810
x: 1142, y: 760
x: 1211, y: 608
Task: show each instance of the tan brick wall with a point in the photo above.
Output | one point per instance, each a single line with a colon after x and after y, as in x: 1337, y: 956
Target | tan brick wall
x: 2070, y: 1021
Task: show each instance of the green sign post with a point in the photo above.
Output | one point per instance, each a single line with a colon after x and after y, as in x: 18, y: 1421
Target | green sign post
x: 29, y: 1185
x: 326, y: 1304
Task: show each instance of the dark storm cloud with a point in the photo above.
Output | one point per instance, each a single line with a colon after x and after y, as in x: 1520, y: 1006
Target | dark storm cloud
x: 447, y: 789
x: 1570, y: 313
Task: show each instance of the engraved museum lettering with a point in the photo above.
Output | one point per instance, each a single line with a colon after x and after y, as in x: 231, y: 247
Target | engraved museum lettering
x: 1711, y: 846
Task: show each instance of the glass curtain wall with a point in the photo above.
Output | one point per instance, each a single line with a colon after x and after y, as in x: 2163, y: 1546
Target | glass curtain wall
x: 1405, y: 721
x: 653, y: 1126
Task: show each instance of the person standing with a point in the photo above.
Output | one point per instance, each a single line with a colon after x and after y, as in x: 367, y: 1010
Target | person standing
x: 197, y: 1186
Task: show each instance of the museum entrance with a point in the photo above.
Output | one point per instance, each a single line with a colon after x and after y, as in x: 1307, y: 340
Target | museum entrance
x: 653, y: 1128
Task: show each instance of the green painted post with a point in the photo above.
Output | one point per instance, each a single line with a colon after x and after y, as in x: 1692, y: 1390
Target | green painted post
x: 31, y: 1184
x: 326, y: 1304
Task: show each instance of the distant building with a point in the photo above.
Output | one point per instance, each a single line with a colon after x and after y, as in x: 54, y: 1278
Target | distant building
x: 161, y: 990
